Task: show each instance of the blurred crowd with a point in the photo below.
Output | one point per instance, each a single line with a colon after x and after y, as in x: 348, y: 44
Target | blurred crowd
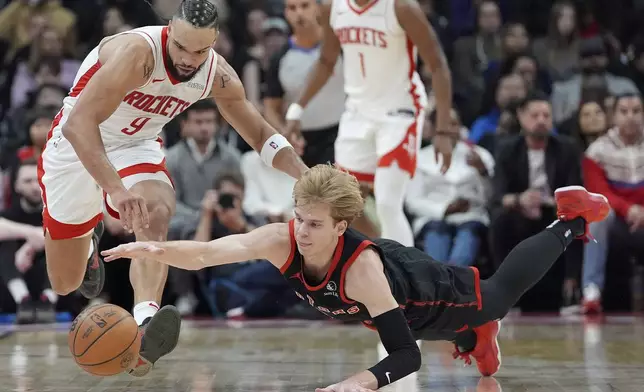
x: 546, y: 95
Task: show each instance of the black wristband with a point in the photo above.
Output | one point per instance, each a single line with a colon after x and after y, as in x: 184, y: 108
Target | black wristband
x: 404, y: 356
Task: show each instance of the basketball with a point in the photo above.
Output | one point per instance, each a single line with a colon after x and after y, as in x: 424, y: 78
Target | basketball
x: 104, y: 340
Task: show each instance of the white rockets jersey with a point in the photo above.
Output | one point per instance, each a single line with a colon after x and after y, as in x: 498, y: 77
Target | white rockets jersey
x: 379, y: 59
x: 143, y: 111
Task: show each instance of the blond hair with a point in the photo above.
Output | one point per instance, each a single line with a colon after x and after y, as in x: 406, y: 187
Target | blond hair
x: 333, y: 187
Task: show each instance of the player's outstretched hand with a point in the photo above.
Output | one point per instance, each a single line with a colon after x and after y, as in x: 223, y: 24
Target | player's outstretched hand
x: 132, y: 250
x: 132, y: 210
x: 443, y: 145
x: 344, y: 387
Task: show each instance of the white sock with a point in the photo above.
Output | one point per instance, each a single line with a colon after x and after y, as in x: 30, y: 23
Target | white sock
x: 143, y: 310
x: 389, y: 190
x: 18, y: 289
x: 51, y: 296
x: 91, y: 249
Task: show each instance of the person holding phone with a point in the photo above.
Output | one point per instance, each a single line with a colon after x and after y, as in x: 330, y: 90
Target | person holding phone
x: 221, y: 209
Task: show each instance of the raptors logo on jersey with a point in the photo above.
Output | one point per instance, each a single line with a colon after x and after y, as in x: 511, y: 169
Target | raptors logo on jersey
x: 379, y: 59
x: 144, y: 111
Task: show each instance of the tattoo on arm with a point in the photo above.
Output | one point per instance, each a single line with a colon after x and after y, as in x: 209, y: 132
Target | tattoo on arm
x: 147, y: 71
x: 225, y: 78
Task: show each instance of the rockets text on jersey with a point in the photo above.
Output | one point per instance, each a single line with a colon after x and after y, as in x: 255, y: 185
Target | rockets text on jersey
x: 379, y: 58
x: 144, y: 111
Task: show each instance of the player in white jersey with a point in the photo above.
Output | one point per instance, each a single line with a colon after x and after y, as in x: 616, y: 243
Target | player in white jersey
x: 103, y: 148
x: 380, y: 131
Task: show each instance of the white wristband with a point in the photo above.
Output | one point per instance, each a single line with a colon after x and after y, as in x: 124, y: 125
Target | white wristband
x: 294, y: 112
x: 271, y: 147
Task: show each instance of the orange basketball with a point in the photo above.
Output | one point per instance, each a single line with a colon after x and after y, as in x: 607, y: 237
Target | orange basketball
x: 104, y: 340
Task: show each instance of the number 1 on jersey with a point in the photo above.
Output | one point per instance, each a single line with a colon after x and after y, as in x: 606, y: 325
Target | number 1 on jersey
x: 137, y: 124
x: 362, y: 67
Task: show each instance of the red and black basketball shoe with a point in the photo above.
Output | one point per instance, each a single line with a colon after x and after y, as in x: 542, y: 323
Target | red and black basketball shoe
x: 576, y: 202
x: 487, y: 352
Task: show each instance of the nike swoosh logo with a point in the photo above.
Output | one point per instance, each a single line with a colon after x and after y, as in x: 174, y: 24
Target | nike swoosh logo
x: 157, y: 80
x: 388, y: 379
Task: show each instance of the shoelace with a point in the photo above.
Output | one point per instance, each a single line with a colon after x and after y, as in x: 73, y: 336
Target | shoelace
x: 465, y: 356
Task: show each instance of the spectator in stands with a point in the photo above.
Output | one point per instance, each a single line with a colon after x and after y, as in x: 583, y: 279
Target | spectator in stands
x: 268, y: 191
x: 195, y: 162
x: 514, y: 39
x: 22, y: 243
x: 450, y: 210
x: 473, y: 55
x: 529, y: 167
x: 636, y: 63
x: 591, y: 122
x: 558, y: 52
x: 284, y: 80
x: 613, y: 167
x: 47, y: 49
x: 507, y: 125
x: 17, y: 27
x: 221, y: 215
x: 566, y: 95
x: 510, y: 88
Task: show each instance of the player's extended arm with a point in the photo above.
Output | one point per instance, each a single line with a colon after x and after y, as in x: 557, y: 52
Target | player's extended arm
x: 366, y: 283
x: 125, y: 65
x: 324, y: 66
x: 274, y: 149
x: 415, y: 23
x: 270, y: 242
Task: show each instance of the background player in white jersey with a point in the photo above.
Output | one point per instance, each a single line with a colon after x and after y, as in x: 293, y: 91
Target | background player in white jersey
x: 380, y: 131
x: 103, y: 147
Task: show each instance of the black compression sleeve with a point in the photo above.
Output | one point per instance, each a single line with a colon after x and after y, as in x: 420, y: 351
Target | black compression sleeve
x: 404, y: 355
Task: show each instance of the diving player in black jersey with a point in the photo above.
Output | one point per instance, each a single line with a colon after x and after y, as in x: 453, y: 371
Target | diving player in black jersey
x: 401, y: 292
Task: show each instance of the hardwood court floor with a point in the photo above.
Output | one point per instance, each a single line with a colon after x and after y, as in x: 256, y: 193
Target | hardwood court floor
x: 540, y: 354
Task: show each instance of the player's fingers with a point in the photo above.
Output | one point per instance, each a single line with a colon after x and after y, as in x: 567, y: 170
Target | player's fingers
x: 145, y: 215
x: 125, y: 211
x: 137, y: 216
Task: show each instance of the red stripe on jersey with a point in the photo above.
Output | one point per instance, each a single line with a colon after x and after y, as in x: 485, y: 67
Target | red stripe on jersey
x: 82, y: 82
x: 362, y: 10
x: 212, y: 61
x: 343, y: 274
x: 164, y: 50
x: 412, y: 71
x: 291, y: 232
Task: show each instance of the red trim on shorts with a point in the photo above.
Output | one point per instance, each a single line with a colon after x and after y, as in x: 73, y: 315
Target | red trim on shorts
x: 441, y: 302
x: 477, y: 287
x: 58, y: 230
x: 361, y: 177
x: 405, y: 154
x: 139, y: 168
x: 477, y: 290
x: 291, y: 232
x: 82, y: 82
x: 362, y: 10
x: 334, y: 263
x: 164, y: 51
x: 354, y: 256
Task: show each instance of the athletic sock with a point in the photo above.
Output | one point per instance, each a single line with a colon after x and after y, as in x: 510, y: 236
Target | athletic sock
x: 91, y: 249
x: 567, y: 231
x: 18, y: 289
x: 465, y: 341
x: 143, y: 310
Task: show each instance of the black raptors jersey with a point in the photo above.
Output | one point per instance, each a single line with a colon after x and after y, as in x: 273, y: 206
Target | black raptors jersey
x: 432, y: 294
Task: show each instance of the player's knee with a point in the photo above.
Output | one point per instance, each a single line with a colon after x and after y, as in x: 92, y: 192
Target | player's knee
x: 160, y: 215
x: 65, y: 285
